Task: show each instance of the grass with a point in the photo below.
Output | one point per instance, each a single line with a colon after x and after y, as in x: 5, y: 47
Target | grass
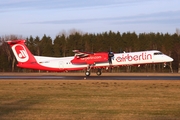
x: 89, y: 99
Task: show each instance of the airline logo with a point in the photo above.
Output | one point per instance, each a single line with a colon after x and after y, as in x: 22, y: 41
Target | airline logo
x: 129, y: 57
x: 20, y: 53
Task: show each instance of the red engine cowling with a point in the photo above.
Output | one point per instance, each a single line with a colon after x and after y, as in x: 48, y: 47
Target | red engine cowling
x: 91, y: 58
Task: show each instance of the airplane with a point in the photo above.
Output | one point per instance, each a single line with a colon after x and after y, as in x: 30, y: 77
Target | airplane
x: 83, y: 60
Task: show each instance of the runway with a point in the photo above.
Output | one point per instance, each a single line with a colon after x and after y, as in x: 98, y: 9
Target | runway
x: 81, y: 77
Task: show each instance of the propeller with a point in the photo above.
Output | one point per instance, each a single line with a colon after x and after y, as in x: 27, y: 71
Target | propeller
x: 110, y: 56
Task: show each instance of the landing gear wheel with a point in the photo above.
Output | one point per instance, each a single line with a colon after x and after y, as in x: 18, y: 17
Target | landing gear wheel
x: 87, y: 73
x: 99, y: 72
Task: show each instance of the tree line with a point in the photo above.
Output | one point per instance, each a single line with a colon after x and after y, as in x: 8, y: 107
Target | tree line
x: 62, y: 46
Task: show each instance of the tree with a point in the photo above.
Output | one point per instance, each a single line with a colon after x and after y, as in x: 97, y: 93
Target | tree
x: 46, y: 48
x: 176, y: 52
x: 64, y: 43
x: 6, y: 49
x: 59, y: 46
x: 74, y: 42
x: 37, y: 46
x: 31, y: 44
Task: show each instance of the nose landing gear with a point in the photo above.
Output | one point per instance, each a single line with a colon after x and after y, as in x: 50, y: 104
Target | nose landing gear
x: 164, y: 65
x: 87, y: 73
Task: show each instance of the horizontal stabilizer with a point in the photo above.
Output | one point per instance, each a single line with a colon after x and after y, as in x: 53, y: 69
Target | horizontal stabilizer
x: 11, y: 42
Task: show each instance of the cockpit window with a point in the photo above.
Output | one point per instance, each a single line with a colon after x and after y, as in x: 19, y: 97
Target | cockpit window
x: 158, y: 53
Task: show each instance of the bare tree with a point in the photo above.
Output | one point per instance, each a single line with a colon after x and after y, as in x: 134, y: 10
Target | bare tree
x: 178, y: 31
x: 70, y: 32
x: 7, y: 50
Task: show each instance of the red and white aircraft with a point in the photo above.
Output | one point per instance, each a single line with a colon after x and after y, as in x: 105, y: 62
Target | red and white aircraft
x: 82, y: 60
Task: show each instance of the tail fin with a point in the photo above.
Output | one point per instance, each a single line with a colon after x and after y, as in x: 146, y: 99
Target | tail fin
x: 21, y: 52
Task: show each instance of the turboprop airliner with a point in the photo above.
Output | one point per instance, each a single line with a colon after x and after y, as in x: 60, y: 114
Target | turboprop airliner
x: 83, y: 60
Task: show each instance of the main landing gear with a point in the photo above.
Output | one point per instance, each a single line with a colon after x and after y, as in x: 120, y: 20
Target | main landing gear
x: 99, y: 72
x: 88, y: 73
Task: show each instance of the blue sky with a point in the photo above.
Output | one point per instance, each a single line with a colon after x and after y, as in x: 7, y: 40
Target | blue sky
x: 51, y: 17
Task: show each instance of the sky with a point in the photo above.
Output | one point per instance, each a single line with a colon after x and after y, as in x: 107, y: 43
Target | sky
x: 53, y: 17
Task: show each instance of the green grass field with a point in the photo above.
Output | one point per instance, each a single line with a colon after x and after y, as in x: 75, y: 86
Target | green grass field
x: 89, y: 99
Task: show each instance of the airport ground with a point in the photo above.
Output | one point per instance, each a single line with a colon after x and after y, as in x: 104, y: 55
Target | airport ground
x: 89, y: 99
x: 82, y: 74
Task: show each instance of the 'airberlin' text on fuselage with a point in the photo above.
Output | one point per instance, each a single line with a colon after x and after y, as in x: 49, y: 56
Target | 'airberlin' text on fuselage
x: 91, y: 58
x: 129, y: 57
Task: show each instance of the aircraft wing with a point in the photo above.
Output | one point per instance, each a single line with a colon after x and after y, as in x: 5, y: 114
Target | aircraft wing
x: 79, y: 54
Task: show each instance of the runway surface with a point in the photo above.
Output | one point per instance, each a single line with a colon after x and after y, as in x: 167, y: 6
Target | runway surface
x: 80, y: 77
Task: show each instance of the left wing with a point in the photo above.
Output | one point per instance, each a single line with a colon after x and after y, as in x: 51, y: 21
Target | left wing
x: 79, y: 54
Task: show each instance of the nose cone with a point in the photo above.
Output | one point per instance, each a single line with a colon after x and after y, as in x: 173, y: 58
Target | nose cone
x: 168, y: 59
x: 171, y: 59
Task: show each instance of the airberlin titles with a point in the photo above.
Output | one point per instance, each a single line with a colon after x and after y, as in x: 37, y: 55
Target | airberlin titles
x: 133, y: 57
x: 91, y: 58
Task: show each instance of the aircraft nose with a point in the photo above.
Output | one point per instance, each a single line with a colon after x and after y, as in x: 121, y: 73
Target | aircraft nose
x: 169, y: 59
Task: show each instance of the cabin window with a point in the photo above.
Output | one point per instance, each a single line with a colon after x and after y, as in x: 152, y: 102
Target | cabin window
x: 158, y: 53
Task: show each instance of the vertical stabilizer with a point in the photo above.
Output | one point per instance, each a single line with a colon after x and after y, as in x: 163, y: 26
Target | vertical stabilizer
x: 21, y: 52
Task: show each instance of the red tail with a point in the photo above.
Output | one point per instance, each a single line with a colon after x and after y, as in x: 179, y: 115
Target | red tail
x: 22, y: 53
